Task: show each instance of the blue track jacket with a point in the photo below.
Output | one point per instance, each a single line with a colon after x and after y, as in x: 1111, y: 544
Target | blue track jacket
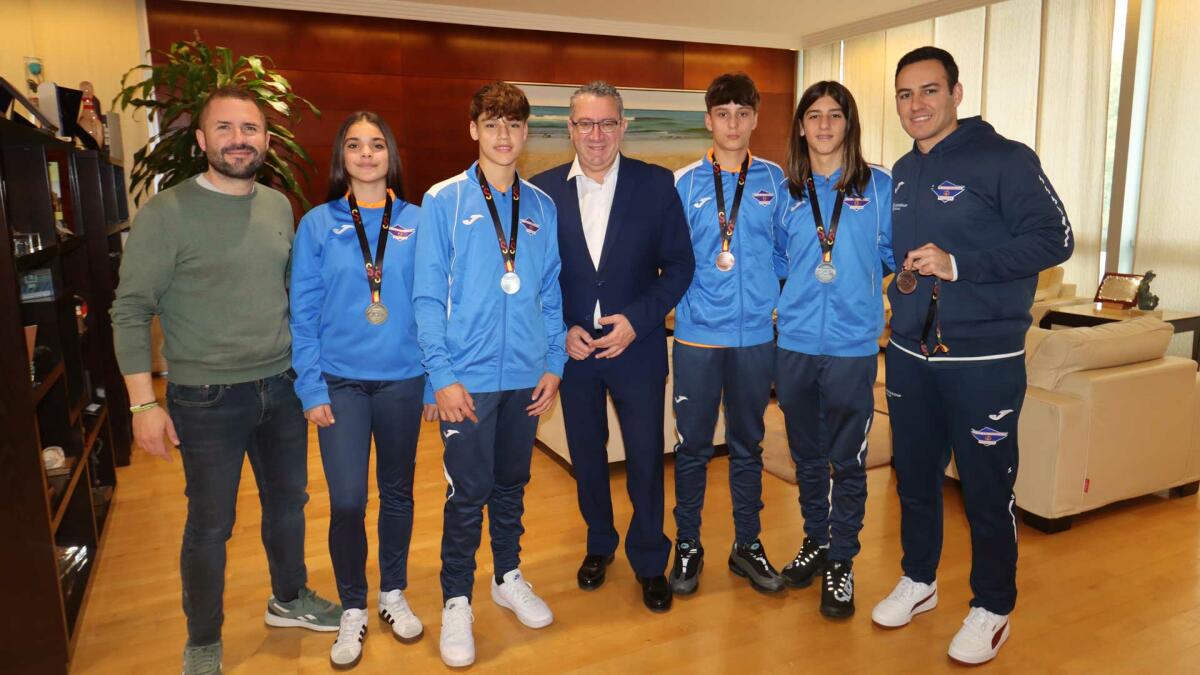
x: 845, y: 317
x: 330, y: 294
x: 469, y: 329
x: 734, y: 308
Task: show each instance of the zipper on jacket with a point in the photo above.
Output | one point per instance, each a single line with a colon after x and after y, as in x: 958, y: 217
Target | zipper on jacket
x: 915, y: 204
x: 741, y: 302
x: 503, y: 341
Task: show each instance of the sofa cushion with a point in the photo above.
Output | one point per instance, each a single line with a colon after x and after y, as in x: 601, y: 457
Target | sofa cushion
x: 1050, y: 283
x: 1069, y: 350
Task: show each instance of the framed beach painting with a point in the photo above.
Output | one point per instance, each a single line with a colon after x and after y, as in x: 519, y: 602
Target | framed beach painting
x: 666, y: 126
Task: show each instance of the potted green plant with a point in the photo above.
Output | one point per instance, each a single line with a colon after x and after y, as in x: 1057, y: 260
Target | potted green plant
x: 172, y: 95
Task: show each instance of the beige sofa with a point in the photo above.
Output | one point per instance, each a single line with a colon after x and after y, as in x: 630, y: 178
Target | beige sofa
x: 552, y: 434
x: 1106, y: 417
x: 777, y: 458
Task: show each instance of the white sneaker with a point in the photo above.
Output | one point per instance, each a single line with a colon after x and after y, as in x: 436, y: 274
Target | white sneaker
x: 457, y: 642
x: 347, y: 648
x: 907, y: 600
x: 980, y: 638
x: 517, y: 594
x: 394, y: 609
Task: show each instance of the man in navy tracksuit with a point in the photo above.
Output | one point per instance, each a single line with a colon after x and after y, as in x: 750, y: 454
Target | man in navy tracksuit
x: 975, y: 221
x: 724, y: 338
x: 489, y: 321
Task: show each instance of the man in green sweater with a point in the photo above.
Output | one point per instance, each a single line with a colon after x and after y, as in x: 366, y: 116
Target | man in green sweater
x: 209, y: 257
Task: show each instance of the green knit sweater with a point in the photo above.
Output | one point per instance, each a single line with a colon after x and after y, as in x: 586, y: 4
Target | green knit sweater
x: 214, y: 268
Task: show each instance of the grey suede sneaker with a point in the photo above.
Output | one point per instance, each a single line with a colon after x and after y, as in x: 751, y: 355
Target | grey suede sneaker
x: 308, y: 610
x: 204, y: 660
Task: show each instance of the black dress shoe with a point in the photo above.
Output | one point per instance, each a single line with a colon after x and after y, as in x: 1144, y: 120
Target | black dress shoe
x: 591, y: 571
x: 656, y: 593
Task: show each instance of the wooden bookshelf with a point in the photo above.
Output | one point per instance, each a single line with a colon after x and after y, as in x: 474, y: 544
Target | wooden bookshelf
x: 69, y: 395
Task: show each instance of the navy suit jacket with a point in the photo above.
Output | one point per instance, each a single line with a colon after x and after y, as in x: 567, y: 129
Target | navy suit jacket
x: 646, y: 265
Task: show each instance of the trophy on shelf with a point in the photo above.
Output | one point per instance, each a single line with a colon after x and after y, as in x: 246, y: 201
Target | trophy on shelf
x: 30, y: 343
x: 88, y: 119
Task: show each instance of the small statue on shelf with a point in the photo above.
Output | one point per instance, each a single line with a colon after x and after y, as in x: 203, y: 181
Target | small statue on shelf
x: 88, y: 120
x: 1145, y: 299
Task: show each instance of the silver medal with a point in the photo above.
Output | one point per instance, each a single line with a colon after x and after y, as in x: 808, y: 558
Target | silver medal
x: 510, y: 283
x: 725, y: 261
x: 825, y: 272
x: 376, y: 313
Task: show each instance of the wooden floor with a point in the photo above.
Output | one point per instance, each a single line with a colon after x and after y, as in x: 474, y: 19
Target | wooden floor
x: 1118, y: 593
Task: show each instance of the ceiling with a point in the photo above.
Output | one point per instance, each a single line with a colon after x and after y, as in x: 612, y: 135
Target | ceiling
x: 787, y: 24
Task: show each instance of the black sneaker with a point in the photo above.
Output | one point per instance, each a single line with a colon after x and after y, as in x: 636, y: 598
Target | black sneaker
x: 837, y: 594
x: 689, y: 561
x: 807, y: 564
x: 750, y: 561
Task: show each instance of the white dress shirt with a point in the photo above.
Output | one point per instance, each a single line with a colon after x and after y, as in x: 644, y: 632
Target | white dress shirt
x: 595, y: 203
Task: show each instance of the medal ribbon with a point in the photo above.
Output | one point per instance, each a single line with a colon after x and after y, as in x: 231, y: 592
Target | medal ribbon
x: 374, y: 269
x: 727, y: 224
x: 933, y: 319
x: 825, y: 239
x: 508, y: 249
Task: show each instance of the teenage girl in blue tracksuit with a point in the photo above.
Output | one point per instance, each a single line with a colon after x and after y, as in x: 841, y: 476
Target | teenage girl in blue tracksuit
x: 358, y: 367
x: 830, y: 315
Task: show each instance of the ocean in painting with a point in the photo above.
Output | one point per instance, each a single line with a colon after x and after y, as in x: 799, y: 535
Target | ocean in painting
x: 670, y: 138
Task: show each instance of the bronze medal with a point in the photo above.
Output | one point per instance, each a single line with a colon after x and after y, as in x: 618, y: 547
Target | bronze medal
x: 906, y: 282
x: 725, y: 261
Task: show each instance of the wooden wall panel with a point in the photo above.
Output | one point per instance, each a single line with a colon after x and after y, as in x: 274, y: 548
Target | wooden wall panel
x: 773, y: 70
x: 420, y: 75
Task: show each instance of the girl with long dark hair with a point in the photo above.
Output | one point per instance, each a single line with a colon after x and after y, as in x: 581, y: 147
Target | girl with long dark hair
x: 358, y: 366
x: 833, y: 232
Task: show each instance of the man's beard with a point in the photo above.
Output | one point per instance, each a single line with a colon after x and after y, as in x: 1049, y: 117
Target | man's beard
x: 216, y: 160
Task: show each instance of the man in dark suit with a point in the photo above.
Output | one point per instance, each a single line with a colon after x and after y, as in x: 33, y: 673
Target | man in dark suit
x: 626, y: 261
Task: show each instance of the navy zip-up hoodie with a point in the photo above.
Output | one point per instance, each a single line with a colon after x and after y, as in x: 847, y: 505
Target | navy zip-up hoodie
x: 985, y: 200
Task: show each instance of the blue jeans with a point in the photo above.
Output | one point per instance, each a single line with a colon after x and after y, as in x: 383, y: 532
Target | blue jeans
x: 704, y: 377
x: 218, y: 426
x: 391, y: 411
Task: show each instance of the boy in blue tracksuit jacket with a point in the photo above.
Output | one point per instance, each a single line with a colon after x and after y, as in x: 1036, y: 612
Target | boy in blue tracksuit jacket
x: 834, y: 243
x: 724, y: 336
x: 489, y: 321
x: 976, y: 220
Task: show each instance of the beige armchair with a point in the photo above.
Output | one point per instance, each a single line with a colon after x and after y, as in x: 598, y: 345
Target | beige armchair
x: 1107, y: 417
x: 1052, y: 292
x: 553, y: 435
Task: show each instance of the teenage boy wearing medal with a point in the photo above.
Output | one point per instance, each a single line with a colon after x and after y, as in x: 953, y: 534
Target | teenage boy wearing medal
x: 724, y: 337
x: 358, y: 368
x: 835, y: 230
x: 489, y: 321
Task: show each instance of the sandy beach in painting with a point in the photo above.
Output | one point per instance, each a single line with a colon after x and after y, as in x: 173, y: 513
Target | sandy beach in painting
x: 668, y: 138
x: 545, y: 153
